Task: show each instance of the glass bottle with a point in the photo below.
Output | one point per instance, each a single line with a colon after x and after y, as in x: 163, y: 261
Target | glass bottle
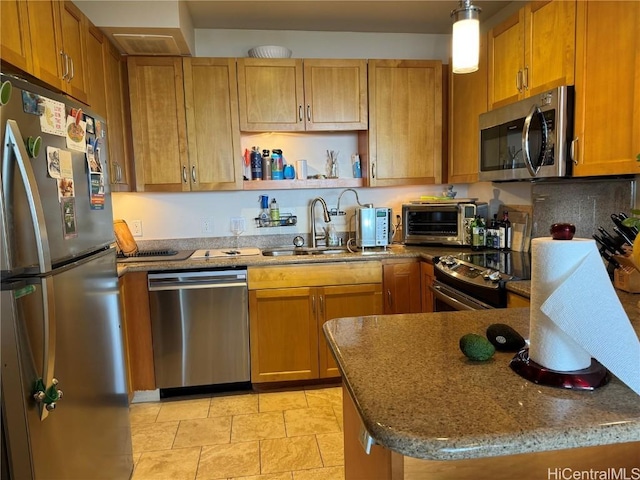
x: 477, y: 233
x: 505, y: 230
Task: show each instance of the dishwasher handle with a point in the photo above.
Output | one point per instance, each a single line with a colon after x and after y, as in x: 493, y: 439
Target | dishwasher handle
x: 160, y: 282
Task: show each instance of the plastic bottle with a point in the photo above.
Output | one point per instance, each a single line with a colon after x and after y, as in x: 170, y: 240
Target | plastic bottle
x: 275, y: 212
x: 277, y: 165
x: 266, y: 165
x: 265, y: 215
x: 477, y: 233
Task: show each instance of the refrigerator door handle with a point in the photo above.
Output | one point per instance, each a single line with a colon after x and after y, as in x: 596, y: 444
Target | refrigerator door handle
x: 45, y: 391
x: 14, y: 143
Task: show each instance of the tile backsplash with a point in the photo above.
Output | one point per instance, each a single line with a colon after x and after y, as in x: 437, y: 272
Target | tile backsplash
x: 587, y: 203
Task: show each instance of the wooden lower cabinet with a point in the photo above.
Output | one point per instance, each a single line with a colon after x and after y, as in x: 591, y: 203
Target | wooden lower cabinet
x: 287, y: 341
x: 516, y: 301
x: 136, y: 322
x: 426, y: 272
x: 402, y: 292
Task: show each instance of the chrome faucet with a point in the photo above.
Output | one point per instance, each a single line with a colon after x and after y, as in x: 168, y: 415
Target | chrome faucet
x: 312, y: 217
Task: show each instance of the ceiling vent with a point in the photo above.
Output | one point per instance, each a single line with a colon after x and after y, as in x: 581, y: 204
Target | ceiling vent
x: 141, y: 44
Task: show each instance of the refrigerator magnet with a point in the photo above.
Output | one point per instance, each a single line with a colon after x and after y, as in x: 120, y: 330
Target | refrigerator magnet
x: 32, y: 103
x: 90, y: 124
x: 75, y: 134
x: 52, y: 120
x: 5, y: 92
x: 69, y: 218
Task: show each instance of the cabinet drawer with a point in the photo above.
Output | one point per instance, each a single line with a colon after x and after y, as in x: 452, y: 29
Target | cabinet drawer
x: 314, y: 275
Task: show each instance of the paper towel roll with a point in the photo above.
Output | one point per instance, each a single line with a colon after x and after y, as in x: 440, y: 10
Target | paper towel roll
x: 575, y: 313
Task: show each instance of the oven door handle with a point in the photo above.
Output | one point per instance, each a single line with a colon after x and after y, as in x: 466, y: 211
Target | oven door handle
x: 456, y: 299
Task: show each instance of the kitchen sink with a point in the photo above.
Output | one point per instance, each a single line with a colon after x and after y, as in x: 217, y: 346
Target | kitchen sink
x: 281, y: 251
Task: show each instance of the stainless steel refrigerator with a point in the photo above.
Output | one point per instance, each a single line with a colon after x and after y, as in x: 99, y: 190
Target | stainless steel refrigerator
x: 64, y: 390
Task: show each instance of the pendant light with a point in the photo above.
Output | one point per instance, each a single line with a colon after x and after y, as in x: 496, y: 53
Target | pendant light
x: 466, y: 37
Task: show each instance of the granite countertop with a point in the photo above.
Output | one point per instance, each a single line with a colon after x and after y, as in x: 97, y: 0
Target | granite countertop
x: 393, y: 251
x: 419, y: 396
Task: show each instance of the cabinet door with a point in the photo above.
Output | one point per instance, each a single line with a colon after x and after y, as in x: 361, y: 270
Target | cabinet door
x: 343, y: 301
x: 117, y: 134
x: 506, y: 59
x: 335, y: 93
x: 74, y: 29
x: 158, y: 124
x: 136, y: 321
x: 607, y: 88
x: 405, y: 123
x: 402, y: 290
x: 284, y: 334
x: 95, y: 71
x: 467, y: 100
x: 549, y: 46
x: 15, y: 44
x: 426, y: 272
x: 270, y: 94
x: 211, y: 99
x: 46, y: 41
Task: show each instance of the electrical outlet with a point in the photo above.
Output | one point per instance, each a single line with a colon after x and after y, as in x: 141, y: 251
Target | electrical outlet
x: 206, y: 224
x: 136, y: 228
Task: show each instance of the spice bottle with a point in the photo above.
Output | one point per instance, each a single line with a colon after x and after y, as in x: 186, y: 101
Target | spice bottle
x: 477, y: 233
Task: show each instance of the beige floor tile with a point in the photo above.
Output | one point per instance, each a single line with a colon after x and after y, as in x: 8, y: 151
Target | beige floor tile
x: 143, y: 412
x: 203, y: 431
x: 270, y: 402
x: 339, y: 417
x: 286, y: 454
x: 184, y: 410
x: 309, y: 421
x: 234, y: 405
x: 328, y: 473
x: 324, y: 397
x: 331, y: 448
x: 257, y: 426
x: 149, y: 437
x: 268, y: 476
x: 179, y: 464
x: 230, y: 460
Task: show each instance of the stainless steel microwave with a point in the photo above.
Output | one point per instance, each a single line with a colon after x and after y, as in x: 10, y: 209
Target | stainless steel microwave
x: 528, y: 139
x: 440, y: 223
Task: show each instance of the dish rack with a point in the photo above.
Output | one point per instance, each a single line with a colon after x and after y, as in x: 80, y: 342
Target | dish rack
x: 286, y: 220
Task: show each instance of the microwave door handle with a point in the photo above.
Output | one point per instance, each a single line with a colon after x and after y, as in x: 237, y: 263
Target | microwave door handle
x: 526, y: 151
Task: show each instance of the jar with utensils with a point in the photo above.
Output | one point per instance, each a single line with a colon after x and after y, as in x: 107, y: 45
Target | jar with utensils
x: 332, y: 163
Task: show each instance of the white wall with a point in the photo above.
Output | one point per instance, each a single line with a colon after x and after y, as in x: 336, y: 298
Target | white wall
x: 180, y: 215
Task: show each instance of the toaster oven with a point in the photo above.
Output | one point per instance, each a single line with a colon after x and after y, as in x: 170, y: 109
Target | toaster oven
x: 441, y: 223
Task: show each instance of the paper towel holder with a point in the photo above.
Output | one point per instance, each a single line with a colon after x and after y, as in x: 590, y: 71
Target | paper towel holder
x: 590, y: 378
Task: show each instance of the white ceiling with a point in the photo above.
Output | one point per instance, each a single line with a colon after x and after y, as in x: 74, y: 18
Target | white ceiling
x: 408, y: 16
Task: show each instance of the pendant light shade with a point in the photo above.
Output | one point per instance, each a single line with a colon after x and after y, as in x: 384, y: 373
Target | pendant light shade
x: 466, y: 37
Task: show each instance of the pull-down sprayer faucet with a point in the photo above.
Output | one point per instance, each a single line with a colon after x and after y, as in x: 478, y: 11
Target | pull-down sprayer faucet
x: 314, y: 236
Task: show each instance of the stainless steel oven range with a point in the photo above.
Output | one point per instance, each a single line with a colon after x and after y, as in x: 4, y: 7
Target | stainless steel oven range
x: 476, y: 281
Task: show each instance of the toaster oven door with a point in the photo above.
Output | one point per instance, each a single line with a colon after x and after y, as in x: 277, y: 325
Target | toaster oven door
x: 433, y: 224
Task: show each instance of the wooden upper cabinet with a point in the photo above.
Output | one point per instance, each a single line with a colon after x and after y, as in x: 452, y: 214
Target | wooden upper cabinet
x: 296, y: 95
x: 403, y: 145
x: 97, y: 97
x: 158, y: 124
x: 467, y: 100
x: 15, y: 44
x: 271, y: 94
x: 118, y: 128
x: 532, y: 51
x: 211, y: 101
x: 607, y: 124
x: 47, y: 39
x: 335, y: 93
x: 74, y: 44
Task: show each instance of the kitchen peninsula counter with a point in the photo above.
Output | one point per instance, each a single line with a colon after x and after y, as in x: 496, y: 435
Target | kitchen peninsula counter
x: 418, y: 396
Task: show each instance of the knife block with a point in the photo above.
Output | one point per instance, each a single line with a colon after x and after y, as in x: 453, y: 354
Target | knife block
x: 626, y: 277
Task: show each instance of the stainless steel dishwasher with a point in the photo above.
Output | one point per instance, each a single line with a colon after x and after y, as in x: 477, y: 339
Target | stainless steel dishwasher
x: 200, y: 327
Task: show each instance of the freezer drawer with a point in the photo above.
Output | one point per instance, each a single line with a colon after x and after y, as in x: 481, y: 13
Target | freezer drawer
x: 200, y: 328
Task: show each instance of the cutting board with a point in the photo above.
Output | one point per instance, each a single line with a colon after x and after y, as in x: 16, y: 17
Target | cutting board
x: 224, y: 252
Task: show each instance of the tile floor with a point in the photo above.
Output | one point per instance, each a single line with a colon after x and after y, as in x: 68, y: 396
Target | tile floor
x: 293, y: 435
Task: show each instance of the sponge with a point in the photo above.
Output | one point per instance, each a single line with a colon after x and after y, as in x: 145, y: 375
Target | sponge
x: 476, y: 347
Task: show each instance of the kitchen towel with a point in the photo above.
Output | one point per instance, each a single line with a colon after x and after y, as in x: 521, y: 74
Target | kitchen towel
x: 575, y: 313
